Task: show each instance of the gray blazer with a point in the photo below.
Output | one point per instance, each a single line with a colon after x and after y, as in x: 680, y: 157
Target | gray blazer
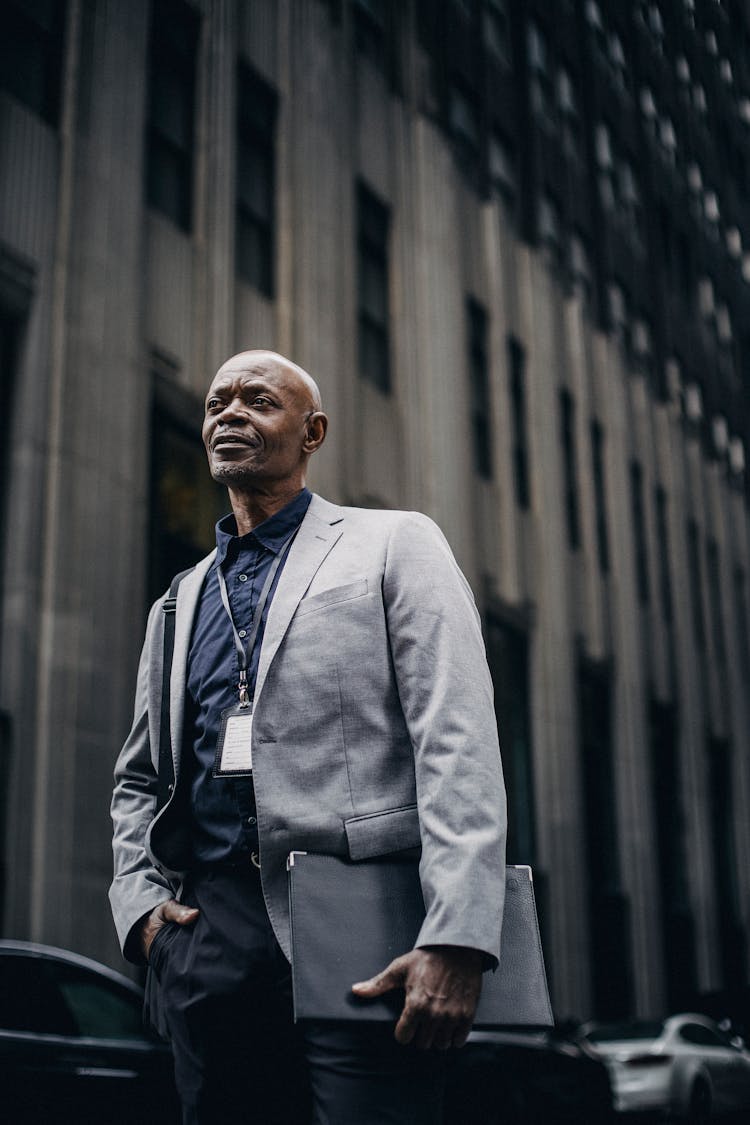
x: 374, y: 729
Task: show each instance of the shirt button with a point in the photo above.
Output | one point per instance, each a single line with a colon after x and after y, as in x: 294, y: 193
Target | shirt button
x: 243, y: 632
x: 251, y: 820
x: 243, y: 578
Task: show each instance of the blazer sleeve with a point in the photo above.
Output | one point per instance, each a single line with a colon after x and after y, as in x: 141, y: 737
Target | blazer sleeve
x: 138, y: 886
x: 446, y: 695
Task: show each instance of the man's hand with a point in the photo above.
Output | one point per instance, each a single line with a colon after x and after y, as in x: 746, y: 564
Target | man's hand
x: 169, y: 911
x: 442, y: 985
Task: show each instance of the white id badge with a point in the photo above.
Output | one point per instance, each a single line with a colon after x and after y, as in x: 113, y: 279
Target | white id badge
x: 234, y: 750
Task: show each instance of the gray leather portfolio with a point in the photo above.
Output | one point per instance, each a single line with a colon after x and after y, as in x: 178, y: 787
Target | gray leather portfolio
x: 349, y: 920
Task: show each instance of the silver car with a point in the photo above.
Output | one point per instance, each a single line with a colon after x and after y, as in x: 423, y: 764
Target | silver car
x: 683, y: 1066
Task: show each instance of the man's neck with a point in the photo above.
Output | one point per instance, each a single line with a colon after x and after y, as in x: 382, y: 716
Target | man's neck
x: 251, y: 508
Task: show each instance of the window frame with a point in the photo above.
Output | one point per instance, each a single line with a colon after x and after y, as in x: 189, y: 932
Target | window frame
x: 373, y: 229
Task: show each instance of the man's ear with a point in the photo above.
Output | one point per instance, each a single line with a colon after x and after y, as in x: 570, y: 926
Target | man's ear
x: 316, y: 430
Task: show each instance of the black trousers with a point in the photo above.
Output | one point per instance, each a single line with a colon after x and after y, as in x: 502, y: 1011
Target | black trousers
x: 225, y: 988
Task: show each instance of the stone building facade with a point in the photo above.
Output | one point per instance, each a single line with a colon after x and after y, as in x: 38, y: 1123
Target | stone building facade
x: 512, y: 242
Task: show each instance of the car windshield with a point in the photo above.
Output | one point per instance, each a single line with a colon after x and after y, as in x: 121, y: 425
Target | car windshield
x: 609, y: 1033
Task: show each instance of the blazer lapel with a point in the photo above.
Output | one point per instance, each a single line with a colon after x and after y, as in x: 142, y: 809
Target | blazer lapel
x: 316, y: 536
x: 187, y: 603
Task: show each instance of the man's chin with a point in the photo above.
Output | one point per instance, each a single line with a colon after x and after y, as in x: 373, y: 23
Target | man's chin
x: 232, y: 473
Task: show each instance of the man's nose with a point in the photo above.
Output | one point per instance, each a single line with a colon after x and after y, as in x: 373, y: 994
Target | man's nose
x: 233, y: 410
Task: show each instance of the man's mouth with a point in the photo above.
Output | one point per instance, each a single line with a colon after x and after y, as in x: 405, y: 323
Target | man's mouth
x: 230, y: 438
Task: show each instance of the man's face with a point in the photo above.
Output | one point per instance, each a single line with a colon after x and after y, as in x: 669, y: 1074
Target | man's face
x: 255, y: 424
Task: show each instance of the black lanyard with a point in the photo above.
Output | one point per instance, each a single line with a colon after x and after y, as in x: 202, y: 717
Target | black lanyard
x: 244, y: 653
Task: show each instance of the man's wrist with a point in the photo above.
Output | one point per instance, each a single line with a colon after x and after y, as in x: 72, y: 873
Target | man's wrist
x: 133, y: 950
x: 465, y: 953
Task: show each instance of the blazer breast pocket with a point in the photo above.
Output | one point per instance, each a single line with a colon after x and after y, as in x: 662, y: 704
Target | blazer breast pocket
x: 330, y: 597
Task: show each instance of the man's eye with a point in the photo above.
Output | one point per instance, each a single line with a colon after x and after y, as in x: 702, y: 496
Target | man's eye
x: 212, y: 402
x: 262, y: 400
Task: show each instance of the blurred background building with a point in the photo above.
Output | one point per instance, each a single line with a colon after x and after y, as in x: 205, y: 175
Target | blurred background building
x: 512, y: 241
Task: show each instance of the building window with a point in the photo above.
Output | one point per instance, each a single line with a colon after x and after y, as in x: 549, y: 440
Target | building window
x: 185, y: 502
x: 714, y: 589
x: 740, y: 611
x: 662, y: 529
x: 569, y: 114
x: 570, y: 471
x: 668, y: 141
x: 10, y: 339
x: 617, y: 63
x: 641, y: 345
x: 373, y: 222
x: 696, y: 597
x: 723, y: 799
x: 638, y: 512
x: 540, y: 72
x: 699, y: 99
x: 580, y: 267
x: 428, y: 22
x: 631, y: 205
x: 465, y: 124
x: 508, y: 658
x: 502, y: 168
x: 254, y: 231
x: 517, y: 367
x: 649, y: 16
x: 607, y: 904
x: 606, y: 167
x: 31, y: 53
x: 618, y: 309
x: 496, y: 30
x: 550, y: 229
x: 171, y: 110
x: 12, y: 324
x: 600, y: 497
x: 594, y: 20
x: 371, y: 30
x: 677, y: 922
x: 480, y: 388
x: 649, y: 112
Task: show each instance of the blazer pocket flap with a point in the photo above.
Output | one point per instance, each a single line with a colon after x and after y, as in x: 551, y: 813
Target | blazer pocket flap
x: 392, y: 830
x: 330, y: 597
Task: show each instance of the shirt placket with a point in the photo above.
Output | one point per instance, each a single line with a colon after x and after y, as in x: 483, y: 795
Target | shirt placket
x: 244, y: 586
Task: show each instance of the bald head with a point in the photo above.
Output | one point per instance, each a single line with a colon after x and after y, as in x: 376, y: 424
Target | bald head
x: 259, y: 361
x: 262, y: 424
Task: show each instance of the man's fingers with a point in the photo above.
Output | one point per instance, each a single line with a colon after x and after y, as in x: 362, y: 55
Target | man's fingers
x: 391, y: 977
x: 173, y: 911
x: 406, y: 1028
x: 461, y: 1034
x: 169, y: 911
x: 442, y: 989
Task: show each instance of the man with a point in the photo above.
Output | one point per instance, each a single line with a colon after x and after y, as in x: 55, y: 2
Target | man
x: 329, y: 693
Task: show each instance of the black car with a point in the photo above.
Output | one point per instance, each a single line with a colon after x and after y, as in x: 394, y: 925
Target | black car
x: 73, y: 1047
x: 527, y: 1078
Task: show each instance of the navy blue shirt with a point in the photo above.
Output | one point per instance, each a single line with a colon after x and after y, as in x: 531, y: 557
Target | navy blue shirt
x: 223, y: 808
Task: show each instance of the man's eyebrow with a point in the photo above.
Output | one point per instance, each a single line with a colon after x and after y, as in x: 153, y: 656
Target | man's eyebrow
x: 255, y: 382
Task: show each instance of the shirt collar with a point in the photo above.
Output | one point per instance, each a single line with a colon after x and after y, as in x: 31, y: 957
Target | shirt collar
x: 272, y: 533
